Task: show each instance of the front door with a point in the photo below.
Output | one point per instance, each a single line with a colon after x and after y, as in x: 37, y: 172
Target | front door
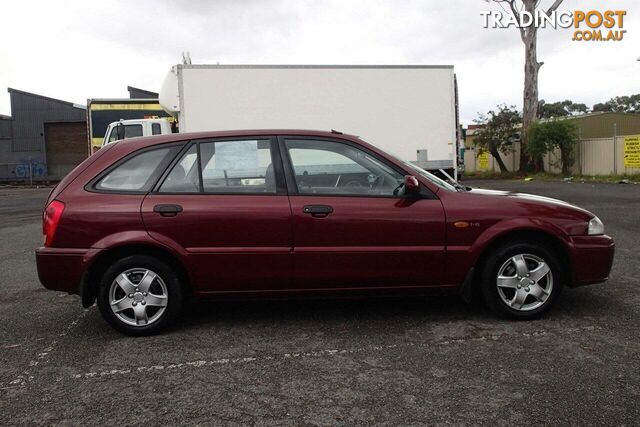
x: 224, y: 203
x: 353, y: 228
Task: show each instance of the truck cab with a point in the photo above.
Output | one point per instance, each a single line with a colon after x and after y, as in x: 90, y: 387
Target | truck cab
x: 123, y: 129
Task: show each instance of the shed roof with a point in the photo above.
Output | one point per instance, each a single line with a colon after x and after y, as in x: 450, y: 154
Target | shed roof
x: 137, y: 93
x: 35, y: 95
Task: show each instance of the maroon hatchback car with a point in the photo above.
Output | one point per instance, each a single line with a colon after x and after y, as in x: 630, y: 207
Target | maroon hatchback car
x: 147, y: 221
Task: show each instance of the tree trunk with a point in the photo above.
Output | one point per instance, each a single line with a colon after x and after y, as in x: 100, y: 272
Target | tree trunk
x: 496, y: 155
x: 530, y: 101
x: 566, y: 159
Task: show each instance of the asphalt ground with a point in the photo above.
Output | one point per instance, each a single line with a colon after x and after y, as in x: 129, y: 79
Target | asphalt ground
x: 393, y: 361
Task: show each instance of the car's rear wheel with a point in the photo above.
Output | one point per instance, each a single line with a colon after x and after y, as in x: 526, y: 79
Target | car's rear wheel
x: 139, y: 295
x: 521, y: 280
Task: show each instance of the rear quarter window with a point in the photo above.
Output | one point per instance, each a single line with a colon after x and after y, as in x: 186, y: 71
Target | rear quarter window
x: 71, y: 176
x: 137, y: 173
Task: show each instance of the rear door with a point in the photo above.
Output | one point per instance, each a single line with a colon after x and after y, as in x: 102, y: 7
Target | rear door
x: 353, y: 228
x: 224, y: 203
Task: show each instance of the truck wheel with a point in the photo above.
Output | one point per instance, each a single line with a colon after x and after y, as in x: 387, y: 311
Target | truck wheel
x: 139, y: 295
x: 521, y: 280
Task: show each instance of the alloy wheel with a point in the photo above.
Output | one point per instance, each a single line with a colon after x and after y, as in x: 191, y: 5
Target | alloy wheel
x: 138, y: 297
x: 524, y: 282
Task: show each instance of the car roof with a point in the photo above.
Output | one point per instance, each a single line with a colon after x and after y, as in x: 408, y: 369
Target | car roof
x: 148, y: 141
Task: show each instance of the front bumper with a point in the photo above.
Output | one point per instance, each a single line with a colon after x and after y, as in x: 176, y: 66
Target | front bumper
x: 61, y: 269
x: 592, y: 257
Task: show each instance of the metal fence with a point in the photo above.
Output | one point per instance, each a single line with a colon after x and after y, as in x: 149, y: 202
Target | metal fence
x: 595, y: 156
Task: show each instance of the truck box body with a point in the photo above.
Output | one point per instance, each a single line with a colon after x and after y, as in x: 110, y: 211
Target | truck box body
x: 409, y: 111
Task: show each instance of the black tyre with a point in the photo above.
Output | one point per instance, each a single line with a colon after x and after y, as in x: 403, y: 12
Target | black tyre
x: 139, y: 295
x: 521, y: 280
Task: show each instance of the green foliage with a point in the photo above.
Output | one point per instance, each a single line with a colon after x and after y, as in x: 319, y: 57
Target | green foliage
x: 552, y: 135
x: 566, y: 108
x: 537, y: 146
x: 498, y: 130
x: 620, y: 104
x: 560, y: 109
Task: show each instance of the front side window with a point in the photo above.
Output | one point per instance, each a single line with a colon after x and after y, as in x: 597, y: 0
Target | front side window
x: 136, y: 174
x: 240, y: 166
x: 113, y: 136
x: 130, y: 131
x: 332, y: 168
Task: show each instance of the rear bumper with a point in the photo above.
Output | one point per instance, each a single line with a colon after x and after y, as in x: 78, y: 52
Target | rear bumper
x: 592, y: 257
x: 61, y: 269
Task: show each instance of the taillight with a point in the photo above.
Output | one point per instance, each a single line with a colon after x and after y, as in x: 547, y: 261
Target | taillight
x: 50, y: 220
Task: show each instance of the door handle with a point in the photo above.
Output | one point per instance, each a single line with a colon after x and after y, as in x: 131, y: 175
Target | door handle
x: 318, y: 211
x: 167, y: 210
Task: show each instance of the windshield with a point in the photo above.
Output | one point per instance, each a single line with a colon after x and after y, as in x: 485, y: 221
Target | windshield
x: 431, y: 177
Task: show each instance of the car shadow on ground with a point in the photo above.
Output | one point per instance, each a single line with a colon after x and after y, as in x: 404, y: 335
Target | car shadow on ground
x: 199, y: 313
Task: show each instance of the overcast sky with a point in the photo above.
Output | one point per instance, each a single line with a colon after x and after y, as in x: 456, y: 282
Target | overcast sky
x: 76, y: 50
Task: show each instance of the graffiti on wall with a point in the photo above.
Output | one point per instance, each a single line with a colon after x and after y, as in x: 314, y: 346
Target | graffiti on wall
x: 38, y: 168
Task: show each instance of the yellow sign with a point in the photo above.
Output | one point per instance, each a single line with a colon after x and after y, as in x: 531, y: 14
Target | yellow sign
x: 483, y: 160
x: 632, y: 151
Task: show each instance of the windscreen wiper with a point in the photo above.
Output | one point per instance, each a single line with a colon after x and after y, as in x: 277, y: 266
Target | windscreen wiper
x: 453, y: 182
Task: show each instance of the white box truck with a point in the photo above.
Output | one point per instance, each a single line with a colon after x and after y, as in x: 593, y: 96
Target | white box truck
x: 409, y: 111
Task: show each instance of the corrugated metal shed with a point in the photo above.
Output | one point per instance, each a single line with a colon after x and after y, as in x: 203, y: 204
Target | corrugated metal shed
x: 31, y: 111
x: 23, y: 144
x: 604, y: 124
x: 5, y: 127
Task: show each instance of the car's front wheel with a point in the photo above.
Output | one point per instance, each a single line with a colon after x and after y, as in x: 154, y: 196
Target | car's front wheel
x: 139, y: 295
x: 521, y: 280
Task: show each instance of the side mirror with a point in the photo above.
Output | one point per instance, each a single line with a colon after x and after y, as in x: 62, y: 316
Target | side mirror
x: 411, y: 185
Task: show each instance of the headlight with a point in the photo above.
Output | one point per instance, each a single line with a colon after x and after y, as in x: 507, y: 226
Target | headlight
x: 595, y: 226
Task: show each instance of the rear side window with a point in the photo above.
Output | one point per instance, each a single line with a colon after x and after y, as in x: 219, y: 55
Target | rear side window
x: 224, y: 167
x: 237, y: 167
x: 184, y: 177
x: 155, y: 129
x: 138, y: 173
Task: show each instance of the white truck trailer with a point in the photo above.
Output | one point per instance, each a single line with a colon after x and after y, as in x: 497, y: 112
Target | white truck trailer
x: 409, y: 111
